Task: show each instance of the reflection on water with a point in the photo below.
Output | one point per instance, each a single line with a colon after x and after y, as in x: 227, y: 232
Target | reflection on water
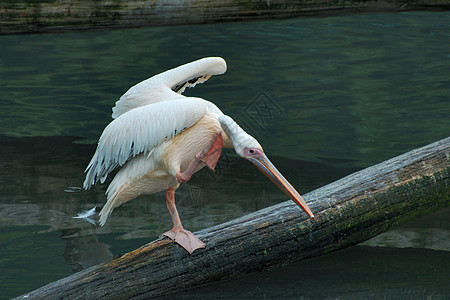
x: 346, y: 92
x: 432, y: 232
x: 402, y: 269
x: 85, y: 250
x: 356, y: 273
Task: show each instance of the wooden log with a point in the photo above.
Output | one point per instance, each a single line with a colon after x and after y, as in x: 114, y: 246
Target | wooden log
x: 348, y: 211
x: 25, y: 16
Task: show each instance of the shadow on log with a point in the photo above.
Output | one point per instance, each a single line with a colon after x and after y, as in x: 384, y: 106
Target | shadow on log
x: 348, y: 211
x: 27, y: 16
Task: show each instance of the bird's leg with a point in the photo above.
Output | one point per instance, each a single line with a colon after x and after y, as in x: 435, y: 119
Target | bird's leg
x: 209, y: 157
x: 178, y: 234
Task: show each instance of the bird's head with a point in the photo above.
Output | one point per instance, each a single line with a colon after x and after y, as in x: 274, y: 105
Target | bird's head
x: 248, y: 147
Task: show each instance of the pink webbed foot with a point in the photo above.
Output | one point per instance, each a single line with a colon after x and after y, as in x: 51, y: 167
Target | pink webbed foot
x: 185, y: 239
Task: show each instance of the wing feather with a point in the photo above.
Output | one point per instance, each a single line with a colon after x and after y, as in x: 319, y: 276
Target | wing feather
x: 169, y: 85
x: 140, y: 130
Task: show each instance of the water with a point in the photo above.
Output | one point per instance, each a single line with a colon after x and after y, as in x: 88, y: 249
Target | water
x: 343, y: 93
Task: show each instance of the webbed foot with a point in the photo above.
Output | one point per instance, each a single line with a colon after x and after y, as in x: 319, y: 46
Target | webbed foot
x: 185, y: 239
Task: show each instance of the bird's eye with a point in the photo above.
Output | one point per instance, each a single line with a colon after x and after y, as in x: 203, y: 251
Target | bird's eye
x: 251, y: 152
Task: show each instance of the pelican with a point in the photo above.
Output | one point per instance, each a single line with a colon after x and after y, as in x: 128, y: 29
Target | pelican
x: 160, y: 138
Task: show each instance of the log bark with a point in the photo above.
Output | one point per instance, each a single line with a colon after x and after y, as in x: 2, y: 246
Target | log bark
x: 26, y: 16
x: 348, y: 211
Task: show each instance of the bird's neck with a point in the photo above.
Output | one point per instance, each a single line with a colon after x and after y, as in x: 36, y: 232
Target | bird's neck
x: 238, y: 138
x: 227, y: 143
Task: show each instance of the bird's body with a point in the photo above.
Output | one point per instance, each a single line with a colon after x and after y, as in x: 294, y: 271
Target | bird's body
x: 155, y: 170
x: 160, y: 138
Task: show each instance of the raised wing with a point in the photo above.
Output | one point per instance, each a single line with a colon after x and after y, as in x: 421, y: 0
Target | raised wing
x: 169, y: 84
x: 140, y: 130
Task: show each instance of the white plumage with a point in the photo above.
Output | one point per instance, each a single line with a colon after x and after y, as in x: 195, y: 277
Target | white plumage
x: 140, y: 130
x: 160, y: 138
x: 170, y: 84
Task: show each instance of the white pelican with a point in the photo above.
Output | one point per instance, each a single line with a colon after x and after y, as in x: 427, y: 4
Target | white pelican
x: 160, y: 138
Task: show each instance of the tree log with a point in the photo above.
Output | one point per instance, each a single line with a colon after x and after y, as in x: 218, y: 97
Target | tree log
x: 348, y: 211
x: 27, y: 16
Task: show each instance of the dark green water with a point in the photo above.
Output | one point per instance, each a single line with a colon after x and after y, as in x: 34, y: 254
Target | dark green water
x: 343, y: 93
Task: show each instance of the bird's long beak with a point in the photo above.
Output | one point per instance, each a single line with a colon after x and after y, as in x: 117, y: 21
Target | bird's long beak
x: 266, y: 166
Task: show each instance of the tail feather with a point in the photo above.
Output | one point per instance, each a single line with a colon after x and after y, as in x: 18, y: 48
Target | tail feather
x: 113, y: 202
x: 105, y: 212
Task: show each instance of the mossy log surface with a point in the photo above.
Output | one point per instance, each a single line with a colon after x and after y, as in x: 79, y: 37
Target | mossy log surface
x: 348, y: 211
x: 26, y: 16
